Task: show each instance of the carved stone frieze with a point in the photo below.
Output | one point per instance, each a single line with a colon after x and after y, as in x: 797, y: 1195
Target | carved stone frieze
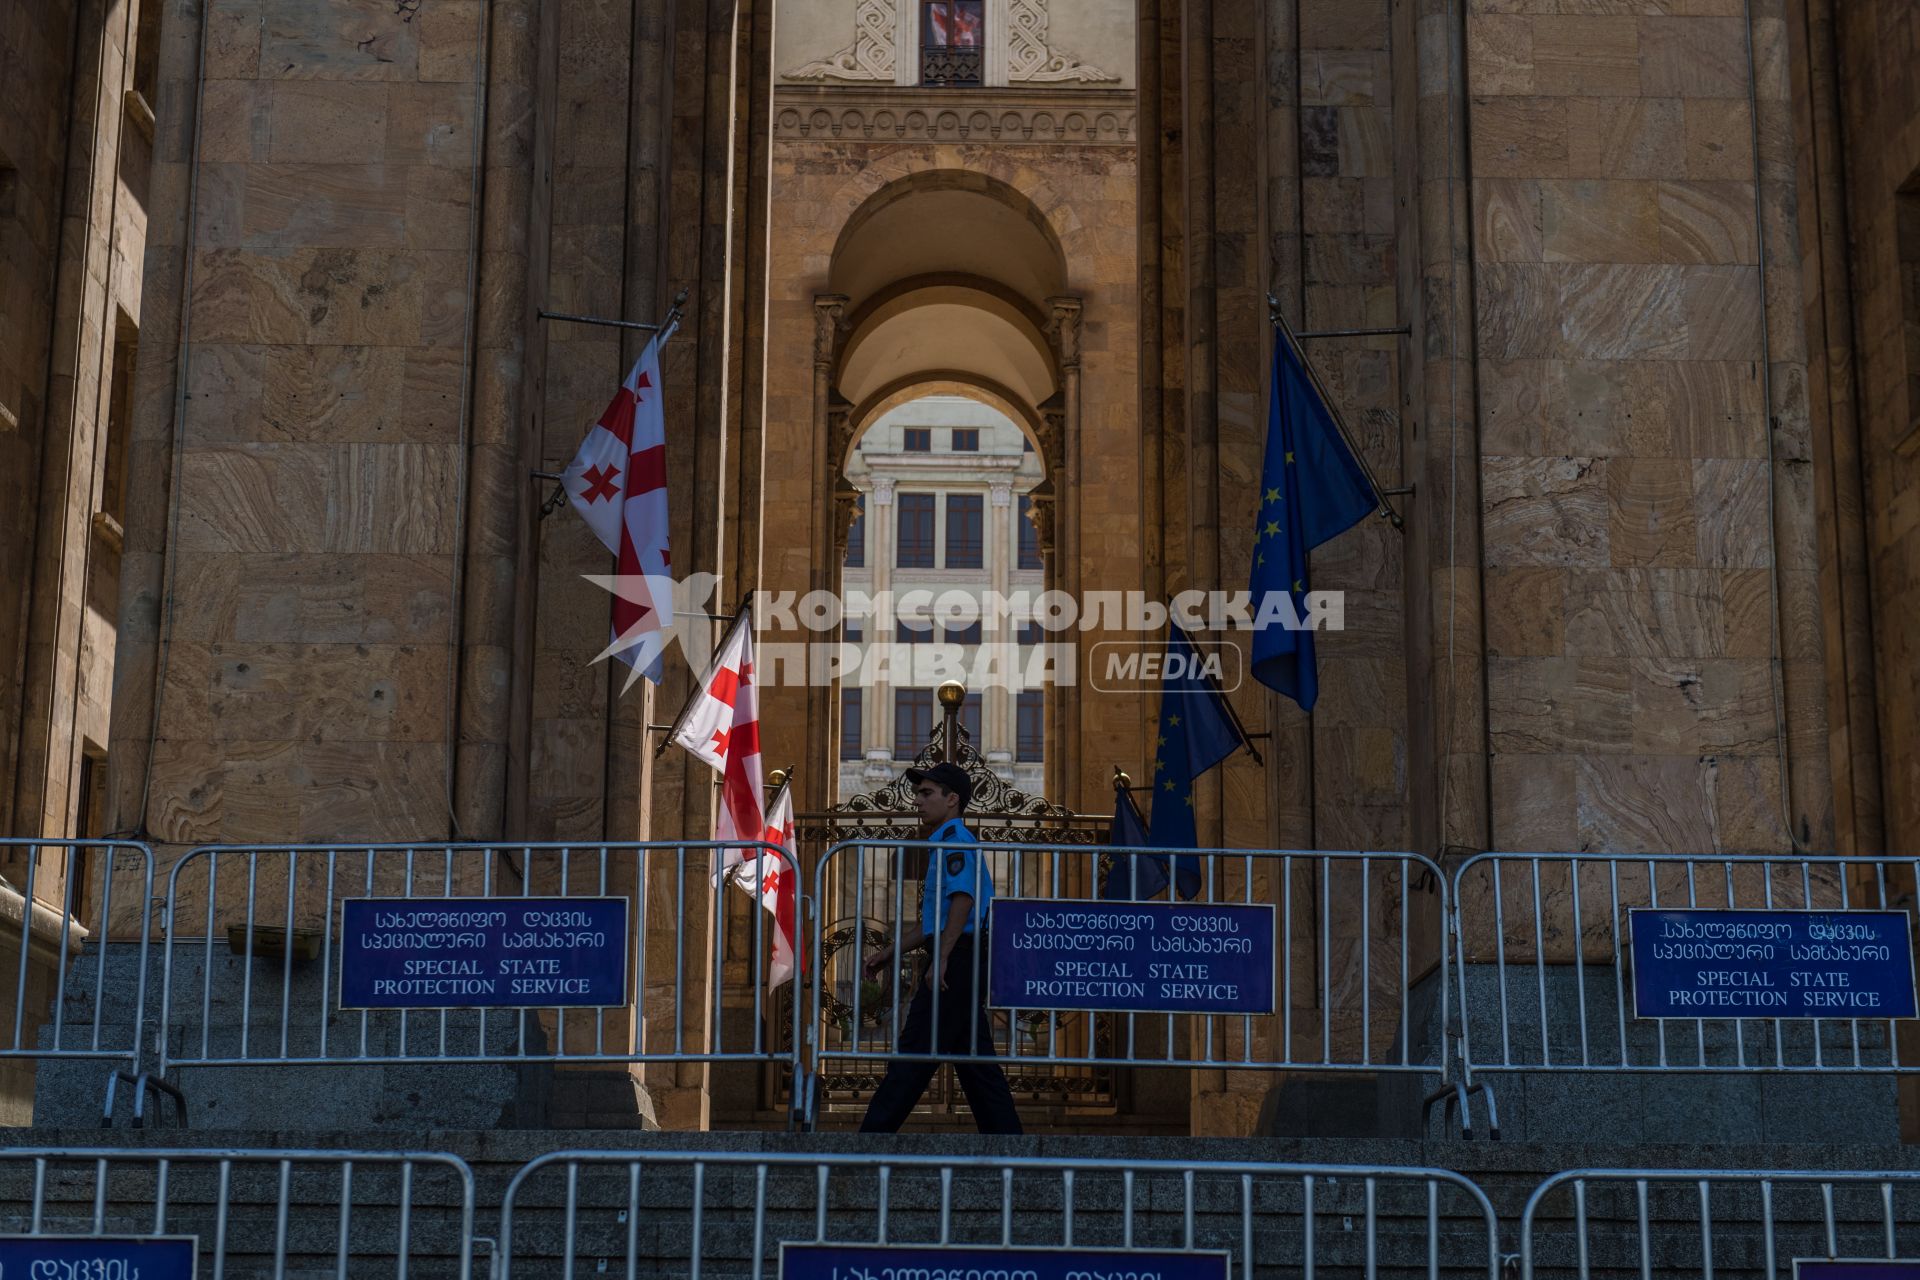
x: 864, y: 113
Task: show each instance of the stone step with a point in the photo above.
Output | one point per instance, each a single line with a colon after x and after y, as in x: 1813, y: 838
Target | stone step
x: 664, y: 1231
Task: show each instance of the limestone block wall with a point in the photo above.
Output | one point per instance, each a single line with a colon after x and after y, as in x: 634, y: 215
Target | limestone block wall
x: 1654, y: 665
x: 313, y: 256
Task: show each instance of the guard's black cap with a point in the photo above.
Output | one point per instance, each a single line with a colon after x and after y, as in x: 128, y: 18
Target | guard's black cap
x: 949, y: 775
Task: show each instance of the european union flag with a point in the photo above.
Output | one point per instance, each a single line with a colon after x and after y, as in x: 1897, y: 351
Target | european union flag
x: 1311, y: 488
x: 1196, y: 732
x: 1131, y: 876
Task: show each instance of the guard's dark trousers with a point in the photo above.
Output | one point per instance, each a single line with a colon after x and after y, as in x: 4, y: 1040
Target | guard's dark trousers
x: 961, y: 1010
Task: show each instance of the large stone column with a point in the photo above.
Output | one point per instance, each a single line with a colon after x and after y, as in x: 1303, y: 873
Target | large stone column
x: 1063, y: 330
x: 817, y: 787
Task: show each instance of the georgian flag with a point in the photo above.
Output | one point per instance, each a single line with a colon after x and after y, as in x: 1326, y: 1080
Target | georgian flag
x: 721, y: 726
x: 771, y: 881
x: 618, y: 484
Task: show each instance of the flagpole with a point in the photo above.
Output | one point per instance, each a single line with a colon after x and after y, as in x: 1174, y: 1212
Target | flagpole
x: 743, y: 618
x: 1279, y: 321
x: 668, y: 326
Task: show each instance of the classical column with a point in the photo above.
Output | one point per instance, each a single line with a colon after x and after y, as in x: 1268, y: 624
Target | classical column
x: 996, y: 703
x: 828, y: 309
x: 1063, y: 330
x: 881, y: 530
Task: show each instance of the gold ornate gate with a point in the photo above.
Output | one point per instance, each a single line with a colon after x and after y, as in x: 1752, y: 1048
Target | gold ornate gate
x: 999, y: 814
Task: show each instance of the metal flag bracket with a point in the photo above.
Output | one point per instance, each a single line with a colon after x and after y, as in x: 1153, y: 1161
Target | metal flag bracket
x: 667, y: 323
x: 1387, y: 511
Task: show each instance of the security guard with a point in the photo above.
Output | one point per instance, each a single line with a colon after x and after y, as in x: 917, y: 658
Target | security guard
x: 958, y: 892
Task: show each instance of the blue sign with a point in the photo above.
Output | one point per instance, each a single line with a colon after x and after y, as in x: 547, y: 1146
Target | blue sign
x: 1772, y: 964
x: 958, y: 1262
x: 1856, y: 1268
x: 1132, y: 957
x: 483, y: 953
x: 98, y: 1257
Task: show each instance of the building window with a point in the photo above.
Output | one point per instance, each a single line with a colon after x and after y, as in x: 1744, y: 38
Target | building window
x: 969, y: 634
x: 1030, y: 727
x: 970, y: 717
x: 1026, y: 445
x: 966, y: 440
x: 913, y: 632
x: 952, y: 36
x: 917, y: 440
x: 1029, y: 536
x: 857, y: 535
x: 912, y: 721
x: 1031, y: 634
x: 852, y: 632
x: 965, y: 529
x: 916, y: 531
x: 850, y: 748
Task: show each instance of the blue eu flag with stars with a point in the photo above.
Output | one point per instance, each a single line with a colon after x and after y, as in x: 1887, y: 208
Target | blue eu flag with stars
x: 1196, y: 732
x: 1311, y: 488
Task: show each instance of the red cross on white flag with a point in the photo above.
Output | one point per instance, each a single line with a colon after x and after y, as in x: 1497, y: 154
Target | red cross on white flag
x: 618, y: 484
x: 772, y: 882
x: 721, y: 726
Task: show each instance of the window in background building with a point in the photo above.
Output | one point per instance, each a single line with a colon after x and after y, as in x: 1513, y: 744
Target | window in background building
x: 966, y: 440
x: 912, y: 721
x: 857, y: 535
x: 916, y: 531
x: 917, y: 440
x: 965, y: 530
x: 852, y: 632
x: 850, y: 748
x: 1030, y: 725
x: 970, y: 718
x: 952, y: 34
x: 913, y: 632
x: 1029, y: 536
x: 1026, y: 445
x: 969, y: 634
x: 1030, y: 633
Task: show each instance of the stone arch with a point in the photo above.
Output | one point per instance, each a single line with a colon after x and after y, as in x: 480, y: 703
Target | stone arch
x: 1034, y: 233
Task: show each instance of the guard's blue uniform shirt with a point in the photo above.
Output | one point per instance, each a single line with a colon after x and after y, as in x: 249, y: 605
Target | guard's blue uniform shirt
x: 950, y: 870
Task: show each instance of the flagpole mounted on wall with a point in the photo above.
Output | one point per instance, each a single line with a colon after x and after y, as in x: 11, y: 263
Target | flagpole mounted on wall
x: 1279, y: 322
x: 667, y: 325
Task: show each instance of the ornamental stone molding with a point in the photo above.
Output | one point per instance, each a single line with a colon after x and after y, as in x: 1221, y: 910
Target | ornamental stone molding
x: 1031, y: 56
x: 871, y: 56
x: 1082, y: 117
x: 885, y: 48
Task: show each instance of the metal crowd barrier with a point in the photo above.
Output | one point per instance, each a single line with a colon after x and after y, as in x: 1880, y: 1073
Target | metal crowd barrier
x: 636, y: 1213
x: 274, y: 1213
x: 1360, y: 958
x: 253, y: 950
x: 75, y: 991
x: 1716, y: 1223
x: 1543, y: 961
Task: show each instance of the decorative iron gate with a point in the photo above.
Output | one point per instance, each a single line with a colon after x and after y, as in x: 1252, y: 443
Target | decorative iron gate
x: 999, y: 814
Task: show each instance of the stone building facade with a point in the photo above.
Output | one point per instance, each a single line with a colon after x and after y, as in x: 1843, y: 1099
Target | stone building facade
x: 1639, y: 281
